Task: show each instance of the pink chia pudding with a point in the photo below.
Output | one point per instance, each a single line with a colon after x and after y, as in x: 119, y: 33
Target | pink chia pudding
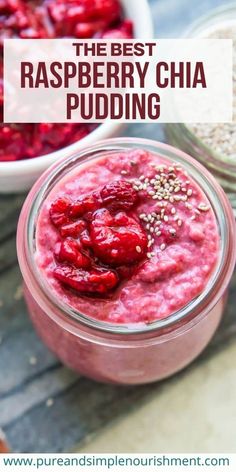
x: 126, y: 259
x: 127, y: 238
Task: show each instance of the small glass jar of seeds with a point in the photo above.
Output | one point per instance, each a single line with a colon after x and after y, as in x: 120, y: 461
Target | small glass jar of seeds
x: 213, y: 144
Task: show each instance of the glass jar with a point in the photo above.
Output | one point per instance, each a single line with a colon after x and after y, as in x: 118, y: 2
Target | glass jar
x: 212, y: 144
x: 116, y: 353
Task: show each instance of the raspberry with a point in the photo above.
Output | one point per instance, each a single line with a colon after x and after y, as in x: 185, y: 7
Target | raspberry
x: 110, y: 10
x: 86, y: 204
x: 59, y: 211
x: 73, y: 229
x: 87, y: 30
x: 108, y: 236
x: 69, y: 251
x: 117, y: 240
x: 119, y: 195
x: 51, y: 133
x: 85, y: 239
x: 11, y: 142
x: 96, y: 281
x: 123, y: 31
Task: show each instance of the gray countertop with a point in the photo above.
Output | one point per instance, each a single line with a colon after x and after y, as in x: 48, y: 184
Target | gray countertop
x: 44, y: 407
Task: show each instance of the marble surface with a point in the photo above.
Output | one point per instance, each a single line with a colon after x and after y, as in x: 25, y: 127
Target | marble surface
x: 193, y: 413
x: 44, y: 407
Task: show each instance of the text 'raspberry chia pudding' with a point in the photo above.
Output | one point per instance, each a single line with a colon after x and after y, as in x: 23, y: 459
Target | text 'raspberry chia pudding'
x: 129, y: 246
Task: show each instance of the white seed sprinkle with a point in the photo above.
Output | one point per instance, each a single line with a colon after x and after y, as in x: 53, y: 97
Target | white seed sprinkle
x: 180, y: 222
x: 138, y: 249
x: 189, y: 206
x: 203, y: 207
x: 162, y: 247
x: 173, y: 211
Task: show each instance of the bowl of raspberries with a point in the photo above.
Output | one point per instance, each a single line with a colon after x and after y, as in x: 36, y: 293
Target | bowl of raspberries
x: 27, y: 149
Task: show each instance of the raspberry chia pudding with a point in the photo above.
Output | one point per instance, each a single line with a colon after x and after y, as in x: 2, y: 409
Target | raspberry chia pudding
x: 128, y: 249
x: 132, y: 230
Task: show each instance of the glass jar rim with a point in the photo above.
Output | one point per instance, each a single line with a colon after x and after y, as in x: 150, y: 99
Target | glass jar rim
x: 210, y: 187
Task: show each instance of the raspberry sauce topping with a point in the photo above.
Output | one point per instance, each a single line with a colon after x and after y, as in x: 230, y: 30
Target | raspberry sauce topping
x: 128, y: 237
x: 30, y: 19
x: 100, y: 236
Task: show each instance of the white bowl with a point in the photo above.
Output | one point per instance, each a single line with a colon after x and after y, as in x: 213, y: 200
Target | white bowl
x: 19, y: 176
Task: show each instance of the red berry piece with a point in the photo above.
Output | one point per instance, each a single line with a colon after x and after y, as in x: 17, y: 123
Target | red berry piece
x: 59, y: 211
x: 108, y: 10
x: 126, y: 271
x: 87, y: 30
x: 83, y: 205
x: 54, y: 134
x: 79, y: 132
x: 73, y: 229
x: 96, y: 281
x: 117, y: 240
x: 85, y: 239
x: 119, y: 195
x: 69, y: 251
x: 123, y: 31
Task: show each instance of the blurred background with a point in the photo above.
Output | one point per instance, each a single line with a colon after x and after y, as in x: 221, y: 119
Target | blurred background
x: 44, y: 407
